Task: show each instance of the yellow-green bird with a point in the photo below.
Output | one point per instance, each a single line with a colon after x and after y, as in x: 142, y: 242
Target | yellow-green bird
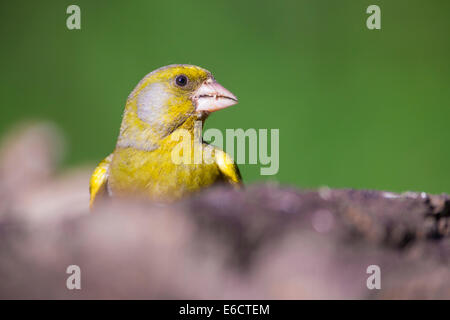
x: 164, y: 106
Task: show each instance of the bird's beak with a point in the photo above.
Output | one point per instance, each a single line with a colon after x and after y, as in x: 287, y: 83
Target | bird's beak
x: 211, y: 96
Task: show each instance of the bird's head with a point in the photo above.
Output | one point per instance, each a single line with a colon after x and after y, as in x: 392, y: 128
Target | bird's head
x: 168, y: 96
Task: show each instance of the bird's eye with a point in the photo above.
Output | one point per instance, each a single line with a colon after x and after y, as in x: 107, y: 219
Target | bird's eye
x: 181, y: 80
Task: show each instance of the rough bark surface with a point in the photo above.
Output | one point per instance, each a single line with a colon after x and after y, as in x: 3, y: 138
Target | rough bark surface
x: 267, y: 241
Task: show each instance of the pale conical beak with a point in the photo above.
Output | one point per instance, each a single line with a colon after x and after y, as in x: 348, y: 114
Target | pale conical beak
x: 211, y: 96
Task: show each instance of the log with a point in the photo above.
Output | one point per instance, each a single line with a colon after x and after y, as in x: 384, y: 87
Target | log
x: 266, y: 241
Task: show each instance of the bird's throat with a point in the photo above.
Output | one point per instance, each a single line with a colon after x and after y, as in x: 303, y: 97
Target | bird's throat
x: 141, y: 135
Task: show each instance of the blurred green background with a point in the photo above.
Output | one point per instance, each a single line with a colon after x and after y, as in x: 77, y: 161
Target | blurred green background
x: 355, y: 107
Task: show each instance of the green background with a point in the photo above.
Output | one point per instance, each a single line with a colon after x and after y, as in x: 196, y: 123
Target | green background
x: 355, y: 107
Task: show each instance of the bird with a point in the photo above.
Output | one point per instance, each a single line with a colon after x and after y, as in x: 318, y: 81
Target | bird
x: 164, y: 107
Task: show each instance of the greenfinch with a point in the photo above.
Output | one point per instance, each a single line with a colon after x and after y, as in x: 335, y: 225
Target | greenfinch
x: 164, y: 106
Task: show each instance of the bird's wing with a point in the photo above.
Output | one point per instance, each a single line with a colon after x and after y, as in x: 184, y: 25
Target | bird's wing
x: 227, y: 167
x: 99, y: 178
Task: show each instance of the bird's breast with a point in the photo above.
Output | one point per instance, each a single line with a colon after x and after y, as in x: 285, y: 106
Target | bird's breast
x: 154, y: 174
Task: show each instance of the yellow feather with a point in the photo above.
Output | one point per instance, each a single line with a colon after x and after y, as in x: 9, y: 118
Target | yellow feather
x: 99, y: 178
x: 228, y: 168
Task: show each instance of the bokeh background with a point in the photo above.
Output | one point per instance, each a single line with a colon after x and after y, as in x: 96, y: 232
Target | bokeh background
x: 355, y: 107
